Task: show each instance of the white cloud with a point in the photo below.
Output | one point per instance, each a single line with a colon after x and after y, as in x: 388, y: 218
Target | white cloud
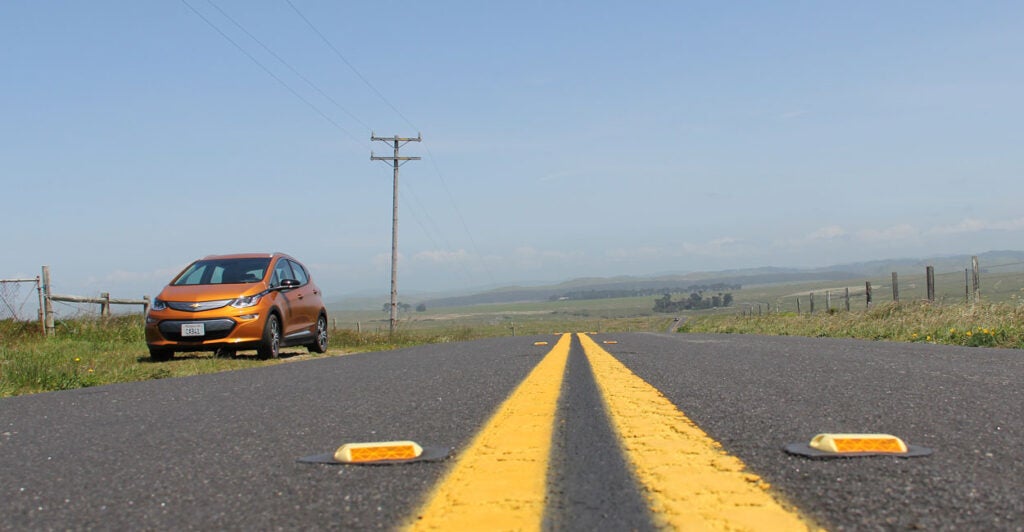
x: 441, y: 256
x: 974, y: 225
x: 120, y: 276
x: 827, y: 233
x: 895, y: 233
x: 724, y: 246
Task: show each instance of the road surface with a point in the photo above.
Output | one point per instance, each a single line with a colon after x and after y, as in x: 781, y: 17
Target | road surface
x: 576, y: 432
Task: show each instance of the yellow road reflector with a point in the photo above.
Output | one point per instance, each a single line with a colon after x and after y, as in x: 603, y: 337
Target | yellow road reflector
x: 355, y: 453
x: 842, y: 445
x: 380, y: 453
x: 858, y: 443
x: 540, y: 343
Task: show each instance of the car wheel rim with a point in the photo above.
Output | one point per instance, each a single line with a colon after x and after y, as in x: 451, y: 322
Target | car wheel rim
x: 275, y: 337
x: 321, y: 333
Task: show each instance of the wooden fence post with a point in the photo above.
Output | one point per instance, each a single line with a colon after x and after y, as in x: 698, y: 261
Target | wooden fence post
x: 105, y: 305
x: 828, y: 301
x: 798, y: 306
x: 929, y: 273
x: 47, y: 302
x: 977, y: 278
x: 967, y: 286
x: 812, y: 303
x: 42, y: 320
x: 895, y: 288
x: 847, y: 299
x: 867, y: 293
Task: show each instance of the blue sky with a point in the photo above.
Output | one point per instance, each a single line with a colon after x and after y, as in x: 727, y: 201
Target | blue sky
x: 560, y: 139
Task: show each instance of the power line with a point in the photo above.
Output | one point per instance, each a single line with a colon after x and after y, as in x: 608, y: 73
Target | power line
x: 289, y: 66
x: 458, y: 213
x: 384, y: 99
x: 350, y: 65
x: 271, y: 73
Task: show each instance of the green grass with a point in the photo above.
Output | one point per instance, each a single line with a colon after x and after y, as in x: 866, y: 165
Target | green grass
x: 92, y: 352
x: 988, y: 325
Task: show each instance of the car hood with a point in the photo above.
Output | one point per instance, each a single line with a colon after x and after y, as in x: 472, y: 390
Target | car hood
x: 210, y: 292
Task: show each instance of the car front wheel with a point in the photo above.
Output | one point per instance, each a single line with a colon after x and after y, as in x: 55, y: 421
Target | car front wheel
x: 270, y: 344
x: 160, y: 354
x: 320, y: 344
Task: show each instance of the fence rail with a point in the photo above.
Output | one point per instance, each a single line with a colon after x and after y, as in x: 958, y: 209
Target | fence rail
x: 104, y: 301
x: 867, y: 294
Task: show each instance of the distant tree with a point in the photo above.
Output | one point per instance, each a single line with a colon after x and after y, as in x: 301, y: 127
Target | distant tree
x: 404, y: 307
x: 727, y: 300
x: 422, y: 307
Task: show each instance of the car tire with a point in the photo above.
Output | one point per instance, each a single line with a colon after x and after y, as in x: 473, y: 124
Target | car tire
x: 270, y: 344
x: 160, y: 354
x: 319, y: 344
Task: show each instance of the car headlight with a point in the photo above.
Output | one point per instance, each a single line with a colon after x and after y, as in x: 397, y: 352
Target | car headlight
x: 247, y: 301
x: 159, y: 304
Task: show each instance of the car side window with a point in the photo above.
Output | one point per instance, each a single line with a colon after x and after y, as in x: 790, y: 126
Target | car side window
x: 282, y: 271
x: 300, y: 272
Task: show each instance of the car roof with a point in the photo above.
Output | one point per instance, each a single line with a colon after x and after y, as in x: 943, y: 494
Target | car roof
x: 246, y: 256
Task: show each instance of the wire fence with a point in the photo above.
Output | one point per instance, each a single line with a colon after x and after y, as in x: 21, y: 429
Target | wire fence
x: 1005, y: 282
x: 17, y: 297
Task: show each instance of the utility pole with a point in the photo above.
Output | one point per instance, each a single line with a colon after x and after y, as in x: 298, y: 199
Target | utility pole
x: 395, y: 161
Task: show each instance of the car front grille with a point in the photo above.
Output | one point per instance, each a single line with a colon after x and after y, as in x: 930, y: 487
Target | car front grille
x: 198, y: 306
x: 215, y: 329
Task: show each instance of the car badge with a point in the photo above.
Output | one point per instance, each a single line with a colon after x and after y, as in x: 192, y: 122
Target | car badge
x: 194, y: 305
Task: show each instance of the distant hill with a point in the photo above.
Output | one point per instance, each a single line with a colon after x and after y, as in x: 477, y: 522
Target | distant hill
x: 640, y: 285
x: 1002, y: 261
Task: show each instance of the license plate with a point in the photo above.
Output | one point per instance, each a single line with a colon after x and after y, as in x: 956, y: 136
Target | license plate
x: 193, y: 329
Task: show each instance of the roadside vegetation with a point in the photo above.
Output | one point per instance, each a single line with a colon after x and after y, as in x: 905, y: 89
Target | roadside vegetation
x: 990, y: 325
x: 91, y: 352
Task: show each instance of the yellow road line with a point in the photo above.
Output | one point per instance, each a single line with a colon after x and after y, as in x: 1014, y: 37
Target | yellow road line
x: 686, y: 477
x: 499, y: 483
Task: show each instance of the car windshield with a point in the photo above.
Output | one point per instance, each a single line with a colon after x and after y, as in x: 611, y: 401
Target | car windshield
x: 224, y: 271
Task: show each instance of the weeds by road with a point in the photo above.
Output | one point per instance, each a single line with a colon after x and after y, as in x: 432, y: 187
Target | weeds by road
x: 93, y: 352
x: 994, y: 325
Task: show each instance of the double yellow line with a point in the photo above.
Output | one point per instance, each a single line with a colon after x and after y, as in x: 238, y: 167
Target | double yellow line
x: 499, y: 482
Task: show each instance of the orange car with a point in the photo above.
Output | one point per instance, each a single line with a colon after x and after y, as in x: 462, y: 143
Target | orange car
x: 226, y: 303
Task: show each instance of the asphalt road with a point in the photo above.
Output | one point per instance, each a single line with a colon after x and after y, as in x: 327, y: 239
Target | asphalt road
x: 220, y: 451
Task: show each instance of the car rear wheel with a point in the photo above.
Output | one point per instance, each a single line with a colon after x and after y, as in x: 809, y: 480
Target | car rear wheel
x: 319, y: 345
x: 270, y: 344
x: 160, y: 354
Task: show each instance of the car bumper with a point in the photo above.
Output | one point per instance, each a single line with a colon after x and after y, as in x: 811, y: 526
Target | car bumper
x: 240, y: 332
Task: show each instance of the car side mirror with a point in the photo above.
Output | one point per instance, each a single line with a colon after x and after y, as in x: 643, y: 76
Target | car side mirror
x: 290, y: 283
